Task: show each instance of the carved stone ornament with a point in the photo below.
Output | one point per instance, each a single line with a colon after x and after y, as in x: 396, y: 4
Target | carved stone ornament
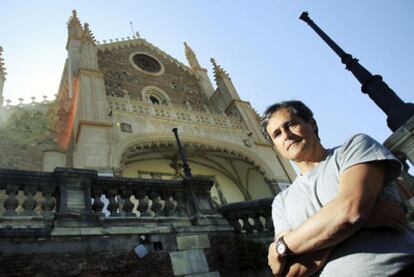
x: 125, y: 127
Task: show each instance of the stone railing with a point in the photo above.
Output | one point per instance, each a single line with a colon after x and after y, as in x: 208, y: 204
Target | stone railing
x: 251, y: 217
x: 143, y: 198
x: 174, y: 113
x: 35, y: 202
x: 27, y: 201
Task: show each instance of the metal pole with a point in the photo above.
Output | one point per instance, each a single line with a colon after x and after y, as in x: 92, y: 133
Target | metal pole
x: 187, y: 169
x: 387, y: 100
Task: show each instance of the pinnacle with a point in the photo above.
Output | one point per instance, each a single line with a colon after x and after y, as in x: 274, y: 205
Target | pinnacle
x: 219, y: 72
x: 74, y: 26
x: 2, y: 68
x: 74, y: 19
x: 87, y: 33
x: 191, y: 57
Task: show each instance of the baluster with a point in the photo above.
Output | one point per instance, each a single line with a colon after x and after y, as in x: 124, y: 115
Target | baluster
x: 128, y: 206
x: 11, y: 203
x: 169, y: 207
x: 29, y: 202
x: 258, y: 225
x: 142, y: 203
x: 234, y: 220
x: 113, y: 205
x: 48, y: 203
x: 247, y: 226
x: 180, y: 208
x: 156, y: 205
x: 97, y: 205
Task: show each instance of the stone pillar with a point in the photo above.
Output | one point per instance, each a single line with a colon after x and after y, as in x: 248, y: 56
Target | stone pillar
x: 53, y: 159
x: 74, y: 201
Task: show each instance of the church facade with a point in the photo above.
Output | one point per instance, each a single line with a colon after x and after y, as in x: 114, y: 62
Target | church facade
x: 117, y: 104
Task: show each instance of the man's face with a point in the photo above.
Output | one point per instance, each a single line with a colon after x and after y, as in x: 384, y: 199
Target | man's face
x: 295, y: 139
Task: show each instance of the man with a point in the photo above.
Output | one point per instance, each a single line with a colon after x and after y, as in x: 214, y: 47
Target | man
x: 326, y: 217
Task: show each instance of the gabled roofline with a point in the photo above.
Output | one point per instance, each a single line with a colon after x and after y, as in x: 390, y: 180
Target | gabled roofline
x: 140, y: 41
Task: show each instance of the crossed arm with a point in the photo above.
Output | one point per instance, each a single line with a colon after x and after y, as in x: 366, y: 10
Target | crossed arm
x: 312, y: 242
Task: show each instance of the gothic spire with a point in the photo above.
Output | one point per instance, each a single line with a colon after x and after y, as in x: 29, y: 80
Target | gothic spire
x: 2, y: 76
x: 219, y: 72
x: 2, y: 68
x: 87, y: 34
x: 74, y: 26
x: 191, y: 57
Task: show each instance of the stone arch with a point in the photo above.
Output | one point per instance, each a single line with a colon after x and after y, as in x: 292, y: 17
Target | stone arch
x: 129, y: 145
x: 153, y: 91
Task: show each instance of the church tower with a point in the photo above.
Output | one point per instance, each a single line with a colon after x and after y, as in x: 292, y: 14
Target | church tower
x: 119, y: 100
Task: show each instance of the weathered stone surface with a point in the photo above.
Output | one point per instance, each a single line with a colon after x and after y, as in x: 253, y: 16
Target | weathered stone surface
x: 188, y: 262
x: 122, y: 78
x: 193, y: 242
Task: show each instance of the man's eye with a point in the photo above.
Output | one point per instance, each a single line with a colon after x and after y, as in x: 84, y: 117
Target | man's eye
x: 276, y: 134
x: 292, y: 124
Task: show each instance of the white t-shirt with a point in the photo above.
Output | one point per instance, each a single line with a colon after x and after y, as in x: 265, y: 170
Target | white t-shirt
x: 369, y: 252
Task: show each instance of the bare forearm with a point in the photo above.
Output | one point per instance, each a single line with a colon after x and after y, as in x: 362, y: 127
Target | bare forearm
x: 329, y: 226
x: 359, y: 188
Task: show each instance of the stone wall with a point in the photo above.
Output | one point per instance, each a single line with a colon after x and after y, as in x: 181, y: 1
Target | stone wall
x: 69, y: 232
x: 71, y: 257
x: 213, y: 254
x: 120, y: 75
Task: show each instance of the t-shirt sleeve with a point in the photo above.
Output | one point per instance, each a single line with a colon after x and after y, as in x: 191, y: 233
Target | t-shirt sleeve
x: 279, y: 217
x: 361, y: 149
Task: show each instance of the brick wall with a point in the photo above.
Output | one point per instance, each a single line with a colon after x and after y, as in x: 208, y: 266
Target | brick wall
x: 82, y: 264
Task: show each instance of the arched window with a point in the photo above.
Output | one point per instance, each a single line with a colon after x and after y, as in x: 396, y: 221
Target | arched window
x: 154, y: 95
x: 154, y: 100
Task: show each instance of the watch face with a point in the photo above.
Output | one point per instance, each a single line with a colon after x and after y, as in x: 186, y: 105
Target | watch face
x: 281, y: 248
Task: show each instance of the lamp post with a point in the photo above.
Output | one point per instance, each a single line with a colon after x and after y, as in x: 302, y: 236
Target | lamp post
x: 398, y: 112
x: 187, y: 169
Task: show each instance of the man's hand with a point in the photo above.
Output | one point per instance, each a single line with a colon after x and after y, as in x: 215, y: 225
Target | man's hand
x: 307, y: 264
x: 387, y: 213
x: 275, y: 261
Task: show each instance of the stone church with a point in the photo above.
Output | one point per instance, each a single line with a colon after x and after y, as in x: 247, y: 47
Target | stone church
x: 114, y: 111
x: 94, y: 181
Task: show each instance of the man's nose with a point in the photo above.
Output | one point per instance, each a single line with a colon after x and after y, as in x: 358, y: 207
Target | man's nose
x: 286, y: 134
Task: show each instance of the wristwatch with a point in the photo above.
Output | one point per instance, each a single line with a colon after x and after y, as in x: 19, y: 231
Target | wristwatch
x: 281, y: 247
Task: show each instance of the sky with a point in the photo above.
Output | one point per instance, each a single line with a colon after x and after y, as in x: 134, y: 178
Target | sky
x: 268, y: 52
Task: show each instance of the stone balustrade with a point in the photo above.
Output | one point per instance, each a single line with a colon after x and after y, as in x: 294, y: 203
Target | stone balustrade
x: 122, y: 104
x: 251, y: 217
x: 34, y: 202
x: 27, y: 201
x: 143, y: 198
